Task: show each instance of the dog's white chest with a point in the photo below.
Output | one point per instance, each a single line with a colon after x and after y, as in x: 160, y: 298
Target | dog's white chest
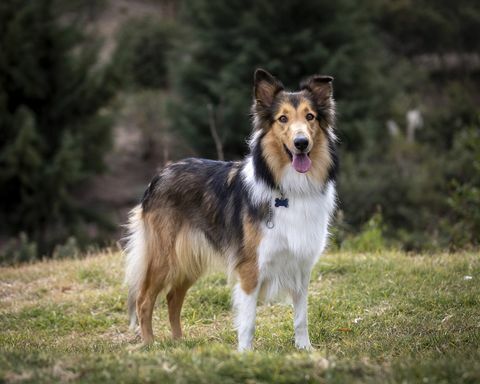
x: 288, y: 251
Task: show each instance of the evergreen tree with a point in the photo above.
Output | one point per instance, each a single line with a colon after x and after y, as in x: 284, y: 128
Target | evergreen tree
x: 228, y: 40
x: 141, y: 56
x: 52, y: 134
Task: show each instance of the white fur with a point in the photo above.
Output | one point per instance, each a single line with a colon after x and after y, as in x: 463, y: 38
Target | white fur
x: 259, y: 192
x: 135, y: 260
x: 245, y: 306
x: 300, y: 321
x: 289, y: 250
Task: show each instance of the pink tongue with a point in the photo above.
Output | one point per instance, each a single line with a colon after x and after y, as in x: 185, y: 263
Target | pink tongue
x: 301, y: 162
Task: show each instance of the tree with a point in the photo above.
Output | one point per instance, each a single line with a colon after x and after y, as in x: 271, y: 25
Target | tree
x: 143, y: 49
x: 229, y: 40
x: 53, y: 134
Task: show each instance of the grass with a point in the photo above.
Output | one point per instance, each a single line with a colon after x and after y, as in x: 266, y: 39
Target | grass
x: 374, y: 318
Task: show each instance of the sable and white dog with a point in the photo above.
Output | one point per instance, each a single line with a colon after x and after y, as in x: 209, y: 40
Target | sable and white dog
x: 264, y: 218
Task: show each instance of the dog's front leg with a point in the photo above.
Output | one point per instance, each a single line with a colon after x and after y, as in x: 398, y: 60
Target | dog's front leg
x: 300, y: 322
x: 245, y: 305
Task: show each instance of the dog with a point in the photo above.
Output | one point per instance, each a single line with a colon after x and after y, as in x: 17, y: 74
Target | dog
x: 264, y: 219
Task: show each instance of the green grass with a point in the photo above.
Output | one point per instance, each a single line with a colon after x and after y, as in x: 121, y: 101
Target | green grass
x: 374, y: 318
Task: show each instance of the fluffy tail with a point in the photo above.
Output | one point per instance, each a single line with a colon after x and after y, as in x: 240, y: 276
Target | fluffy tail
x: 135, y: 263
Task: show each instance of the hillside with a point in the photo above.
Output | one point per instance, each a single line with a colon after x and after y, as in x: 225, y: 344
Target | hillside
x: 387, y: 317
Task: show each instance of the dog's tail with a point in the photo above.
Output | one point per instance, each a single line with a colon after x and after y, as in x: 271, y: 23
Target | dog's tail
x: 135, y: 263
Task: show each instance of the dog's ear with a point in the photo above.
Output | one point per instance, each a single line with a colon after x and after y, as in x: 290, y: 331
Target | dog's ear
x: 320, y: 87
x: 266, y: 87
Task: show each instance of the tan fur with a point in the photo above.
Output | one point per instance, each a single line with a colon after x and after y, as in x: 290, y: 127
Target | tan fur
x: 321, y: 159
x: 283, y: 134
x: 233, y: 172
x: 159, y: 249
x: 176, y: 256
x: 175, y: 299
x: 247, y: 269
x: 194, y: 255
x: 274, y: 153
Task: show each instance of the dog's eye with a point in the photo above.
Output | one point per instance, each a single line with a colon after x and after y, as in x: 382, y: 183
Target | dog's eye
x: 310, y: 117
x: 283, y: 119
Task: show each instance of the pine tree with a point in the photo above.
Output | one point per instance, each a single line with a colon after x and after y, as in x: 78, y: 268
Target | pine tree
x: 52, y: 134
x: 291, y: 40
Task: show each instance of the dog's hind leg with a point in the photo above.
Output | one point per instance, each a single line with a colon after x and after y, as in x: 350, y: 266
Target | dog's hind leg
x: 175, y: 299
x: 154, y: 282
x: 160, y: 229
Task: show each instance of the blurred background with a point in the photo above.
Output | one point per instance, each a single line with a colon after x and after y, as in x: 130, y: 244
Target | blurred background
x: 95, y: 95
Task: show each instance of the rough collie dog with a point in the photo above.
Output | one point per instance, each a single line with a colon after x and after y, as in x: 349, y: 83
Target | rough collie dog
x: 265, y: 219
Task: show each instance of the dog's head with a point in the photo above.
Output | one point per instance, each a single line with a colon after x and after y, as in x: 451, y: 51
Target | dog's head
x: 296, y: 125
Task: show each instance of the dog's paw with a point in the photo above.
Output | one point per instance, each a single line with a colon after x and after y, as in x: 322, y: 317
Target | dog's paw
x: 244, y: 349
x: 304, y: 347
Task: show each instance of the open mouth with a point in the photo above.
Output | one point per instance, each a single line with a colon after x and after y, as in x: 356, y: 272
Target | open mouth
x: 300, y: 161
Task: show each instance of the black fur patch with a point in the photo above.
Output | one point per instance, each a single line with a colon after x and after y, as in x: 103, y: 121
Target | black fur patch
x: 210, y: 195
x: 334, y: 167
x: 262, y: 171
x: 294, y: 98
x: 149, y: 192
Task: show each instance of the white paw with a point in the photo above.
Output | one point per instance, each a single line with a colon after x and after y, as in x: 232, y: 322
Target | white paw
x: 244, y: 348
x: 304, y: 345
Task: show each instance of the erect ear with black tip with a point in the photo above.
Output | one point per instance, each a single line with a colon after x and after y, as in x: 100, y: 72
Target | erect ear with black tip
x: 266, y: 87
x: 320, y: 87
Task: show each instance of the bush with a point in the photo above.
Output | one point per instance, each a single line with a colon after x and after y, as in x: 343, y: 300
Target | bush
x: 18, y: 250
x: 404, y: 179
x: 461, y: 227
x: 68, y: 250
x: 371, y: 238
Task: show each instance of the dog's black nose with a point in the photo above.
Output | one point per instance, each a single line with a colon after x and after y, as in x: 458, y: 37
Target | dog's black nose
x: 301, y: 143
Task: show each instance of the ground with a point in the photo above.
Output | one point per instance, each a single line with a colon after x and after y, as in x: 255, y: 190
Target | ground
x: 381, y: 318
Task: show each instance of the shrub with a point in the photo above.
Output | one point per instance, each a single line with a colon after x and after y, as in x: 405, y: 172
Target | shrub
x: 18, y: 250
x: 461, y: 227
x: 370, y: 239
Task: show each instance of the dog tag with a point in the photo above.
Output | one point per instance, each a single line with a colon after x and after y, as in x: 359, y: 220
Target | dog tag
x: 281, y: 202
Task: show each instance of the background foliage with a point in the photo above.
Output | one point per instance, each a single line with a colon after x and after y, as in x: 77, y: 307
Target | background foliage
x: 53, y: 134
x: 181, y: 70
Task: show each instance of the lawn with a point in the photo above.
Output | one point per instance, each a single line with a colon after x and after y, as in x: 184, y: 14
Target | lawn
x: 374, y: 318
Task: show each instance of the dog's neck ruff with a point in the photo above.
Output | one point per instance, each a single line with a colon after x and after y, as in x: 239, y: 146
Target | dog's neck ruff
x: 260, y: 183
x: 294, y: 186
